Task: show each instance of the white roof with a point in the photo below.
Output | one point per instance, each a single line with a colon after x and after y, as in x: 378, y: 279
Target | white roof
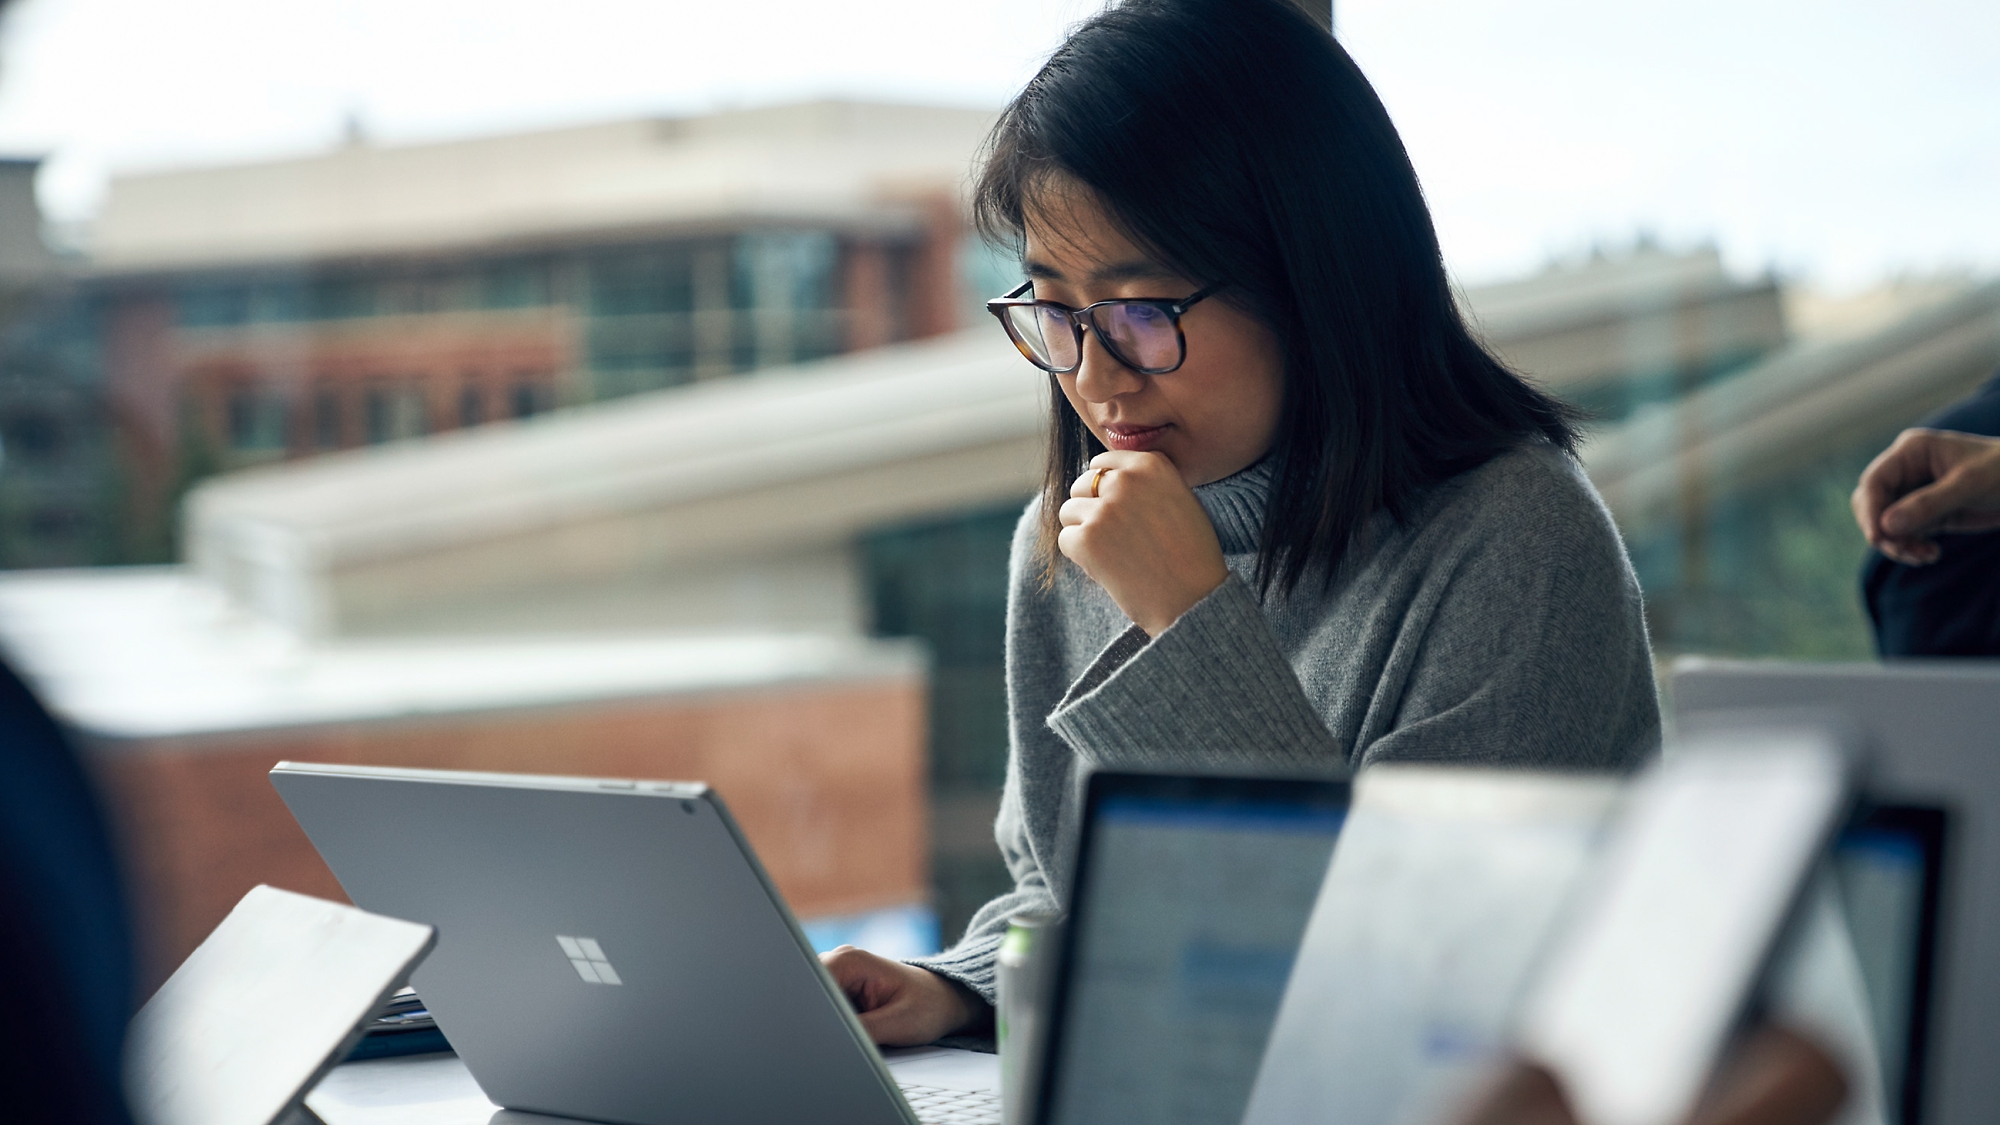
x: 810, y: 454
x: 821, y: 162
x: 146, y: 653
x: 1600, y: 288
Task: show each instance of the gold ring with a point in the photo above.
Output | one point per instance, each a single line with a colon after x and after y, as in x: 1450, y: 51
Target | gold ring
x: 1096, y: 478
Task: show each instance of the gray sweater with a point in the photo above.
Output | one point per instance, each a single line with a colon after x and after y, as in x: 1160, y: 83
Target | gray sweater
x: 1499, y: 624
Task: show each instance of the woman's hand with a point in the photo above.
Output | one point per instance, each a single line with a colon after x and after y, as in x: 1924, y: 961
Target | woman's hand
x: 901, y: 1005
x: 1143, y: 537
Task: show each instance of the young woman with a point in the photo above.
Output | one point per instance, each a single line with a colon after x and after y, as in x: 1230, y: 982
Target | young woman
x: 1295, y: 517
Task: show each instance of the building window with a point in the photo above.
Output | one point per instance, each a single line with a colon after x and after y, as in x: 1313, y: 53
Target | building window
x: 326, y: 419
x: 280, y: 300
x: 53, y: 522
x: 336, y: 298
x: 32, y: 437
x: 514, y: 284
x: 530, y: 399
x: 986, y: 272
x: 790, y: 270
x: 648, y: 281
x: 394, y: 413
x: 471, y: 405
x: 256, y: 420
x: 656, y: 344
x: 213, y: 304
x: 782, y: 283
x: 419, y: 294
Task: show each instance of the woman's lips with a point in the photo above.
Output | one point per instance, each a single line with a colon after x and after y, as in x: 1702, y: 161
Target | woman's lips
x: 1134, y: 438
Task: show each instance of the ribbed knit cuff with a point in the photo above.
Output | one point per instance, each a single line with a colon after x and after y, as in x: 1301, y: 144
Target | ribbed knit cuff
x: 970, y: 963
x: 1211, y: 691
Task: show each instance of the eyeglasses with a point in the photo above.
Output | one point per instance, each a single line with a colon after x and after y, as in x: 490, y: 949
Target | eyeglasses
x: 1143, y: 333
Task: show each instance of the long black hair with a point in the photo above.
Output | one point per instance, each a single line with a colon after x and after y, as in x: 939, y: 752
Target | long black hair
x: 1232, y: 140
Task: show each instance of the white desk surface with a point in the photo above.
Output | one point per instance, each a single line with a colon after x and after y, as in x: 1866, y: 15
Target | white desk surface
x: 437, y: 1089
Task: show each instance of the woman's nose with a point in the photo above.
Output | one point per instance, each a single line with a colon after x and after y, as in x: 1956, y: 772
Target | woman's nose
x: 1101, y: 377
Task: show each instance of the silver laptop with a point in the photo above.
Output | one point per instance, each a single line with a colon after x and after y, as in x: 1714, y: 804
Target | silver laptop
x: 607, y: 949
x: 1934, y: 729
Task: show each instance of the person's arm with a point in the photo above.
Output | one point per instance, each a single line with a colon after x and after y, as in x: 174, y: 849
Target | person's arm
x: 1527, y: 648
x: 1927, y: 482
x: 922, y: 1000
x: 1213, y: 685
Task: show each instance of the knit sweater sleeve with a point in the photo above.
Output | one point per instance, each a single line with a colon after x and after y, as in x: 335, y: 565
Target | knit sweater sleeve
x: 1518, y: 641
x: 971, y: 961
x: 1212, y: 690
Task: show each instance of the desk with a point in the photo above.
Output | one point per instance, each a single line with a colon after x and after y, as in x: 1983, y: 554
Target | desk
x: 438, y: 1090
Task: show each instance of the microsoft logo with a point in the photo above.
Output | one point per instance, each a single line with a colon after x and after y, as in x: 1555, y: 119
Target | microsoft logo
x: 587, y: 958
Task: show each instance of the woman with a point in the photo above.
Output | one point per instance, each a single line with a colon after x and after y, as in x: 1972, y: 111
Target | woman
x: 1296, y: 517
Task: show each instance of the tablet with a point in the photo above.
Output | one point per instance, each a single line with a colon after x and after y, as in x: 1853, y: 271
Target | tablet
x: 1650, y: 975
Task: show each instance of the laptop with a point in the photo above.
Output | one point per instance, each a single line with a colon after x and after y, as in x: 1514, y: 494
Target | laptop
x: 1191, y: 896
x: 1934, y: 729
x: 607, y: 949
x: 1890, y: 862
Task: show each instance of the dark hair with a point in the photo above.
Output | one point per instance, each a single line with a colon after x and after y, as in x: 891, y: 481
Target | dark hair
x: 1233, y: 140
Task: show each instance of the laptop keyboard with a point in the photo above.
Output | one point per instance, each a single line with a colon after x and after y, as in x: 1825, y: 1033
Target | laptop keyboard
x: 938, y: 1106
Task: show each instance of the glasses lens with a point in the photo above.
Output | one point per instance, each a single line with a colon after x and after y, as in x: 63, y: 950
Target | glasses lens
x: 1144, y: 336
x: 1045, y: 332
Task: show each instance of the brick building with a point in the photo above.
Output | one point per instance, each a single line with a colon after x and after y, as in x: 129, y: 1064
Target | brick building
x: 262, y: 312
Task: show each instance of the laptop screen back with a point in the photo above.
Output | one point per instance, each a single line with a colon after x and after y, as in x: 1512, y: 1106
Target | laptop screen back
x: 1190, y: 901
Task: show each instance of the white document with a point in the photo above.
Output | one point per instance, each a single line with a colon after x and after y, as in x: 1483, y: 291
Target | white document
x: 1444, y: 885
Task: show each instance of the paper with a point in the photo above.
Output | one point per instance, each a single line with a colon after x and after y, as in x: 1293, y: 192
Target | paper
x: 1441, y: 892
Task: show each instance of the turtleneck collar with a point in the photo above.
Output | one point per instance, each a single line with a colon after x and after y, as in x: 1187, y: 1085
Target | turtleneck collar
x: 1235, y: 505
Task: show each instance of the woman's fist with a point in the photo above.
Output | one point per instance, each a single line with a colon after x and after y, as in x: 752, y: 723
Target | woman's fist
x: 1143, y: 537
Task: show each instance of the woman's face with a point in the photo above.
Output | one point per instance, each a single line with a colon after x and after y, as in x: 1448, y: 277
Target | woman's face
x: 1214, y: 416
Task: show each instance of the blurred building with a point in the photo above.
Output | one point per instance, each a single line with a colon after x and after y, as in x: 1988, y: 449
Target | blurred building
x: 749, y: 502
x: 1619, y: 331
x: 247, y: 315
x: 57, y: 478
x: 262, y: 312
x: 1733, y: 498
x: 185, y: 702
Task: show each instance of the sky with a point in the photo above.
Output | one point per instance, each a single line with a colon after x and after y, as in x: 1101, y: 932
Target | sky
x: 1833, y: 141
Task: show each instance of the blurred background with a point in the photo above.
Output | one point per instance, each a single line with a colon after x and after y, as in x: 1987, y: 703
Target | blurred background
x: 603, y: 388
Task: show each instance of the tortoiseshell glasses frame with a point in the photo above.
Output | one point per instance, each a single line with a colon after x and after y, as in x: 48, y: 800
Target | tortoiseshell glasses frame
x: 1143, y: 333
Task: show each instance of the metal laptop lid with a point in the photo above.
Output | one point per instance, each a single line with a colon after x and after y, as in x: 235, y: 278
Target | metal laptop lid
x: 263, y: 1008
x: 606, y: 949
